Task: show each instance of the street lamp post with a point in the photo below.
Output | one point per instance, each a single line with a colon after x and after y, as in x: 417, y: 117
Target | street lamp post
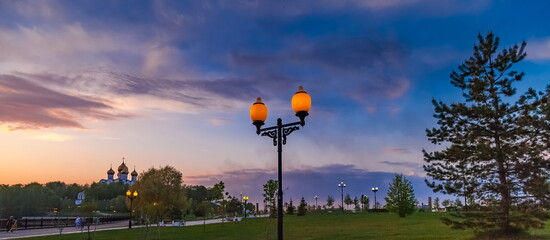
x: 362, y: 203
x: 245, y: 198
x: 131, y: 196
x: 316, y: 201
x: 342, y: 185
x: 301, y: 103
x: 56, y: 211
x: 466, y: 178
x: 375, y: 189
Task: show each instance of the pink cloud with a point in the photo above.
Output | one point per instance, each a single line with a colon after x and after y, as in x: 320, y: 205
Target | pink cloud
x: 26, y: 105
x: 396, y: 150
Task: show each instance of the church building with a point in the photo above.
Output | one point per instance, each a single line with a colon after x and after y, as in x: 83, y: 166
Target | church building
x: 122, y: 175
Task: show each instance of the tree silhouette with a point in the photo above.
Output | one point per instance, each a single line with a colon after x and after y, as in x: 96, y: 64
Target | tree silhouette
x: 496, y: 142
x: 400, y: 197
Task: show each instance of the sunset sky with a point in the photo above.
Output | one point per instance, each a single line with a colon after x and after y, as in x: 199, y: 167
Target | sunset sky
x: 85, y: 83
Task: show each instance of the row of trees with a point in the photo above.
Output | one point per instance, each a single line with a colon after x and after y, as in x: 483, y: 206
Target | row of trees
x: 160, y: 190
x: 447, y: 203
x: 35, y: 199
x: 162, y: 195
x: 400, y: 199
x: 359, y: 203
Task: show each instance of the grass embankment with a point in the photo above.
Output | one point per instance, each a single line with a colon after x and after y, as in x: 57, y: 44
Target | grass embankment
x: 313, y: 226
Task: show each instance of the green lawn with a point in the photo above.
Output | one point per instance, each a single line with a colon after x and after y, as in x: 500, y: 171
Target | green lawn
x: 313, y: 226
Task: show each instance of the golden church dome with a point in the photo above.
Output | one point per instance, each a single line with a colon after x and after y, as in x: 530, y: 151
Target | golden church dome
x: 123, y: 169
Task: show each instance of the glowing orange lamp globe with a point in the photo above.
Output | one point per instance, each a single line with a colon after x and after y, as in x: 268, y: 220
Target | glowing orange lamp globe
x: 258, y: 114
x: 301, y: 103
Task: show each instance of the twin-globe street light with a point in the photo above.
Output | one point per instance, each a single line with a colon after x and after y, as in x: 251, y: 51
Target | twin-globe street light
x: 131, y: 196
x: 375, y: 189
x: 342, y: 185
x: 301, y: 103
x: 316, y: 201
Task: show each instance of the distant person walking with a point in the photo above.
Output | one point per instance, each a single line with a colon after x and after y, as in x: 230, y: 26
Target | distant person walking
x: 9, y: 224
x: 14, y: 225
x: 78, y: 223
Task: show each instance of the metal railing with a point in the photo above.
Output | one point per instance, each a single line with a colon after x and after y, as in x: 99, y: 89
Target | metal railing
x: 55, y: 222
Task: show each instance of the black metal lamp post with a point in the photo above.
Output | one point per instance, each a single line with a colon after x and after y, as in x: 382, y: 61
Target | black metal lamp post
x: 301, y: 103
x: 466, y: 182
x: 342, y: 185
x: 245, y: 198
x: 375, y: 189
x: 131, y: 196
x: 316, y: 201
x: 362, y: 203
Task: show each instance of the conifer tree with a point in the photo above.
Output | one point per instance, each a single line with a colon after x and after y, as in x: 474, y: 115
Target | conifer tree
x: 496, y: 153
x: 302, y: 208
x: 270, y: 189
x: 290, y: 208
x: 356, y: 204
x: 330, y: 202
x: 347, y: 200
x: 400, y: 197
x: 365, y: 201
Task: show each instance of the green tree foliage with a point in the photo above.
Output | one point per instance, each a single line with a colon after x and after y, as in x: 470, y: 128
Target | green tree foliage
x: 234, y: 206
x: 270, y: 190
x: 199, y: 193
x: 161, y: 193
x: 365, y: 201
x: 330, y: 202
x: 400, y: 197
x: 446, y: 203
x: 218, y: 191
x: 436, y: 203
x: 250, y: 207
x: 87, y: 208
x: 290, y: 208
x: 347, y: 200
x: 204, y: 208
x: 302, y: 208
x: 356, y: 203
x: 104, y: 191
x: 108, y: 197
x: 495, y: 143
x: 35, y: 199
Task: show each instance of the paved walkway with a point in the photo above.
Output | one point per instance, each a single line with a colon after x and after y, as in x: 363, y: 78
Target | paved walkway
x: 69, y: 230
x: 55, y: 231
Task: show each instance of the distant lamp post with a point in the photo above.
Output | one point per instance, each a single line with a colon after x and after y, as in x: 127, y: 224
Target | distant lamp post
x: 342, y: 185
x: 56, y: 211
x: 316, y: 201
x: 466, y: 181
x: 131, y: 196
x: 374, y: 190
x: 245, y: 198
x: 362, y: 203
x: 301, y: 103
